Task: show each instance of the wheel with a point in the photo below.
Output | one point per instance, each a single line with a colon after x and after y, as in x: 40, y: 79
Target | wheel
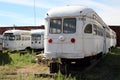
x: 64, y: 68
x: 54, y: 67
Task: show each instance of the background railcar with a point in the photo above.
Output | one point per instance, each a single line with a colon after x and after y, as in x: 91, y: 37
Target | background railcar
x: 16, y: 39
x: 37, y: 39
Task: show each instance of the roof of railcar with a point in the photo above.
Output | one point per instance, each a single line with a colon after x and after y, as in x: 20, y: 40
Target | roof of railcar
x: 17, y: 31
x: 68, y: 11
x: 37, y: 31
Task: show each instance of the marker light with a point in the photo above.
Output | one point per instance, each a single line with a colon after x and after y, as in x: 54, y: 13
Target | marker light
x: 50, y: 40
x: 80, y: 11
x: 73, y: 40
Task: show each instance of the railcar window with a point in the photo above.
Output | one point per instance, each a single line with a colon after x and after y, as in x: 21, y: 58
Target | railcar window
x: 36, y: 37
x: 9, y: 36
x: 18, y: 37
x: 33, y: 37
x: 107, y: 35
x: 6, y: 37
x: 98, y: 30
x: 95, y: 29
x: 12, y: 37
x: 23, y: 38
x: 69, y: 25
x: 27, y: 38
x: 55, y: 26
x: 100, y: 33
x: 88, y: 29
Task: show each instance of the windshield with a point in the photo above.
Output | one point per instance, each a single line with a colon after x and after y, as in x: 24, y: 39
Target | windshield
x: 69, y: 25
x: 9, y: 36
x: 55, y: 26
x: 36, y: 37
x: 66, y: 25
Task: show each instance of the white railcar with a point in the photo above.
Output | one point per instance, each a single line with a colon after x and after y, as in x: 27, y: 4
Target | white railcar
x: 16, y: 40
x: 37, y: 39
x: 75, y: 32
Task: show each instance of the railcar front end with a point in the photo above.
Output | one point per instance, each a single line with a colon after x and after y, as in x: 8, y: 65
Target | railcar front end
x: 62, y: 40
x: 37, y: 39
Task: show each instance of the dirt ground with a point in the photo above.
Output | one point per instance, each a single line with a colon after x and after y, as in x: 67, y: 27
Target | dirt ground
x: 35, y: 69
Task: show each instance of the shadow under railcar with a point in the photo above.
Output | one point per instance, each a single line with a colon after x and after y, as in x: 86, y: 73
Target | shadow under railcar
x: 5, y: 59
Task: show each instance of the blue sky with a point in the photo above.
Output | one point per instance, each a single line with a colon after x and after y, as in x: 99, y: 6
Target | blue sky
x: 21, y: 12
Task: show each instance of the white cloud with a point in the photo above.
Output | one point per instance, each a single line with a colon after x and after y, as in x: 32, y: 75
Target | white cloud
x: 9, y: 14
x: 40, y: 3
x: 18, y: 18
x: 23, y: 2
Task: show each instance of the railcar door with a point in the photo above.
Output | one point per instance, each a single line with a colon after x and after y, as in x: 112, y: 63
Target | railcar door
x: 89, y: 40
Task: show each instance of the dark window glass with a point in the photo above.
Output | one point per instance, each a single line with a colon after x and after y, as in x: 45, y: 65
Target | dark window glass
x: 88, y: 29
x: 55, y: 26
x: 69, y: 25
x: 36, y: 37
x: 9, y: 36
x: 18, y: 37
